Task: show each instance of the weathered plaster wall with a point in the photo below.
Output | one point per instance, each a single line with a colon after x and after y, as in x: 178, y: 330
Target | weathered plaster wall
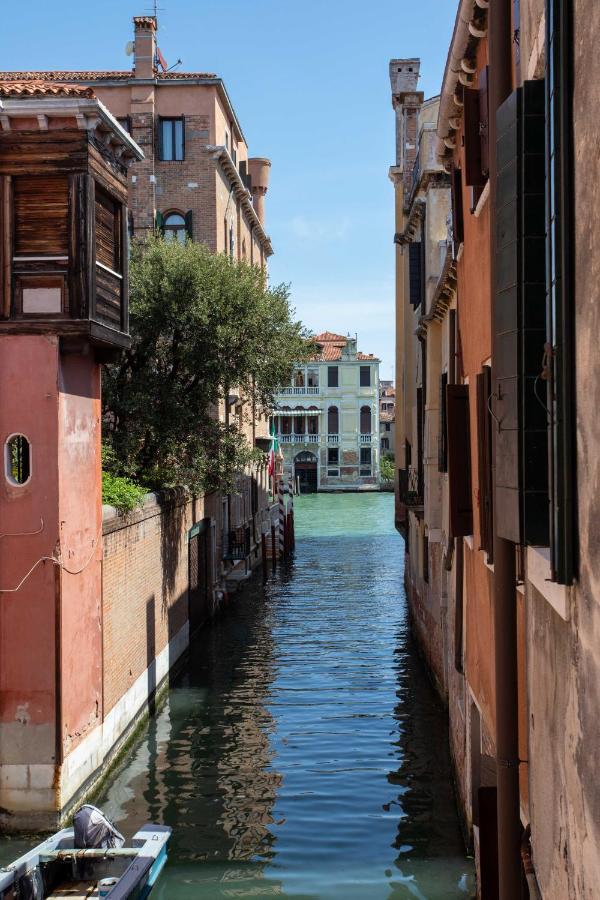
x: 564, y: 663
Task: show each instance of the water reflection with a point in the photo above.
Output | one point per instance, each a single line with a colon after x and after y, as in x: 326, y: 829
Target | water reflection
x: 303, y: 752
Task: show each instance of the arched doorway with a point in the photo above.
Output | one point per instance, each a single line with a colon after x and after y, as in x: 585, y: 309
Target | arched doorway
x: 305, y: 471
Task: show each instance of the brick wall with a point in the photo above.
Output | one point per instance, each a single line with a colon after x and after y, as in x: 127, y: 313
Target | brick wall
x: 144, y: 587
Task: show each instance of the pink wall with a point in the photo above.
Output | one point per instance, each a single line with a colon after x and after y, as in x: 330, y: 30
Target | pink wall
x: 28, y: 405
x: 80, y: 499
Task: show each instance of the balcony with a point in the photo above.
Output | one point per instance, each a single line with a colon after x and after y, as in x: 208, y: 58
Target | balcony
x: 333, y: 438
x: 299, y: 391
x: 411, y: 487
x: 366, y: 438
x: 236, y: 543
x: 298, y: 438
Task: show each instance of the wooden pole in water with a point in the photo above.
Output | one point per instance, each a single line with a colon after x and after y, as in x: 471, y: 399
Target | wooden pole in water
x: 263, y: 548
x: 273, y: 547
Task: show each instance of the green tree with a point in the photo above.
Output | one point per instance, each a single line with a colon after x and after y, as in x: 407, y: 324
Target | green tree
x: 386, y: 468
x: 202, y: 326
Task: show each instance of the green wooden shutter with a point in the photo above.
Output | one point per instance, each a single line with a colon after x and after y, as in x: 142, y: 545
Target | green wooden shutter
x: 459, y: 460
x: 519, y: 320
x: 159, y: 223
x: 484, y: 453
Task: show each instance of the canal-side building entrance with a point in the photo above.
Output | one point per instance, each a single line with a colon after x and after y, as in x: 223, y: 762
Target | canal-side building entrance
x: 305, y: 472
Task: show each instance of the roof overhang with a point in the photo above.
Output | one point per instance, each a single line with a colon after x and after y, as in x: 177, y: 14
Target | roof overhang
x: 222, y: 156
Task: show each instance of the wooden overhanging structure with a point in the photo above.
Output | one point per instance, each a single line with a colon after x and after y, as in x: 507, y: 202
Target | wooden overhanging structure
x: 64, y: 221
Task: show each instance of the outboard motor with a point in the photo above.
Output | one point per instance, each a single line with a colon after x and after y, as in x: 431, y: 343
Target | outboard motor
x: 93, y: 830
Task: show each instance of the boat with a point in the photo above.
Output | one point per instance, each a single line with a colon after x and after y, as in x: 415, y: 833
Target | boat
x: 58, y: 869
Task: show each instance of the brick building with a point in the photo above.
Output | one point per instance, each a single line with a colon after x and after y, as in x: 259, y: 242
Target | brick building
x: 196, y: 177
x: 498, y: 435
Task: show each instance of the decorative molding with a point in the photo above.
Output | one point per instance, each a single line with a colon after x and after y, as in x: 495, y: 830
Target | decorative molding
x: 221, y: 155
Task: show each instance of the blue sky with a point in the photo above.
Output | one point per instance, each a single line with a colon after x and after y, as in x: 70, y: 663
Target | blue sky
x: 309, y: 82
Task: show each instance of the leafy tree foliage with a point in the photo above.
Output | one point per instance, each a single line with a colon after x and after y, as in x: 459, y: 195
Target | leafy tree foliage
x: 203, y: 326
x: 386, y: 468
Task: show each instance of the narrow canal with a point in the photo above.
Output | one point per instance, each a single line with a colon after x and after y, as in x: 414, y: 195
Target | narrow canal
x: 303, y: 753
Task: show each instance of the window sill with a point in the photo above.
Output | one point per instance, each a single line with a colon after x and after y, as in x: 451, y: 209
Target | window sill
x: 482, y: 200
x: 539, y: 575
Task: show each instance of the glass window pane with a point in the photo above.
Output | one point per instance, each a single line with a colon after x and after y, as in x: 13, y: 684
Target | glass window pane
x: 167, y: 139
x: 178, y: 128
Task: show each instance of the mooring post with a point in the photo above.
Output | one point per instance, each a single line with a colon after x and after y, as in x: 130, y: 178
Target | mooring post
x: 263, y: 548
x: 273, y: 547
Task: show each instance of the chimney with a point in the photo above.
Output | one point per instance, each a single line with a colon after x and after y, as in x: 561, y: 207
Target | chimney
x: 145, y: 46
x: 258, y: 169
x: 407, y: 101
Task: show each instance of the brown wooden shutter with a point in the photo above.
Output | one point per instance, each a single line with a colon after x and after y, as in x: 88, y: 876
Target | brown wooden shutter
x: 484, y: 122
x: 415, y: 272
x: 473, y: 165
x: 108, y: 231
x: 41, y: 212
x: 484, y: 452
x: 457, y: 209
x: 459, y: 460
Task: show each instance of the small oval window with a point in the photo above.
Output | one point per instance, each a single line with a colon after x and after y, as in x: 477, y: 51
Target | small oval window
x: 17, y: 459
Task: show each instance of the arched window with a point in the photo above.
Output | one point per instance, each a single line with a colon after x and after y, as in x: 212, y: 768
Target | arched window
x: 299, y: 421
x: 286, y: 421
x: 365, y: 420
x: 313, y: 420
x: 17, y: 459
x: 174, y: 228
x: 333, y: 420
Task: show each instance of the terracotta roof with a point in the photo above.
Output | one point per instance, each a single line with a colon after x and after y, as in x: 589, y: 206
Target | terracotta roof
x: 43, y: 89
x: 97, y: 76
x: 328, y: 336
x: 386, y: 417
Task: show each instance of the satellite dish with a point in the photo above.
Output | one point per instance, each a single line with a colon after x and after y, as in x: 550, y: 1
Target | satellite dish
x: 129, y: 48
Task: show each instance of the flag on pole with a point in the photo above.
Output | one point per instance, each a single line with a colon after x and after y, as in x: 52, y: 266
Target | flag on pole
x: 274, y: 448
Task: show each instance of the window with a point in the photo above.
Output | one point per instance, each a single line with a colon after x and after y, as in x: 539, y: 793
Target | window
x: 312, y: 378
x: 484, y: 455
x: 125, y: 123
x: 17, y: 459
x: 365, y: 456
x: 388, y: 426
x: 459, y: 455
x: 559, y: 282
x: 171, y: 140
x: 174, y: 228
x: 332, y: 376
x: 365, y: 420
x: 365, y: 376
x: 333, y: 420
x: 457, y: 210
x: 385, y: 444
x: 41, y: 217
x: 443, y: 436
x: 333, y: 473
x: 231, y: 240
x: 333, y: 456
x: 415, y: 266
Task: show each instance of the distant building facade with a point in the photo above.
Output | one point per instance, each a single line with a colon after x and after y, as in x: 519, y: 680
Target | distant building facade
x: 387, y: 417
x: 327, y: 419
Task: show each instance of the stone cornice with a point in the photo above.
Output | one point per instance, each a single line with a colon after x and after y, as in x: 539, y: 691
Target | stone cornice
x: 221, y: 155
x: 415, y: 218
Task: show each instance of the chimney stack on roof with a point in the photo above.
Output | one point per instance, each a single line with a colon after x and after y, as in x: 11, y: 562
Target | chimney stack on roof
x: 144, y: 46
x: 258, y: 169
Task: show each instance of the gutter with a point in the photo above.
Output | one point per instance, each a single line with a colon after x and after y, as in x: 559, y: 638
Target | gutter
x: 469, y: 28
x: 221, y: 154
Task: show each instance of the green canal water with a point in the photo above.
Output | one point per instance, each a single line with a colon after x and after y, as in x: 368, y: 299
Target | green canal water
x: 302, y: 752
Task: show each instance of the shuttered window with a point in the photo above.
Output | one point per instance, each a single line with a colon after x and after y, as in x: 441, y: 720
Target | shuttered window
x: 459, y: 460
x: 108, y: 231
x: 484, y: 453
x: 473, y: 165
x: 41, y: 209
x: 560, y: 280
x: 443, y: 436
x: 415, y: 272
x: 457, y: 210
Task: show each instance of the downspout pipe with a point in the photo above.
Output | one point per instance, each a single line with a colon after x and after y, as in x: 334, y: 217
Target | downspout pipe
x: 504, y: 591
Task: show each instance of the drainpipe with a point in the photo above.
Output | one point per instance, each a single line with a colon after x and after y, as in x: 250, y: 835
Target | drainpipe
x: 504, y: 593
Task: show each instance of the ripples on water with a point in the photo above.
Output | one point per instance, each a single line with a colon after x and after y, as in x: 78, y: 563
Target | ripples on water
x: 303, y: 752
